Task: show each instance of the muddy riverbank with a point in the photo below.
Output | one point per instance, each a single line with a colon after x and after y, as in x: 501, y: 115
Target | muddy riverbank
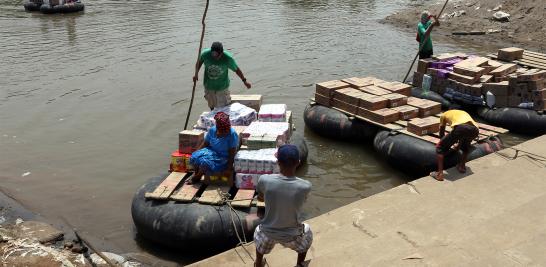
x: 525, y: 28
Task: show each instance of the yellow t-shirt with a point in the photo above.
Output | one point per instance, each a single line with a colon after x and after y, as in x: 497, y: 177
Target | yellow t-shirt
x: 456, y: 117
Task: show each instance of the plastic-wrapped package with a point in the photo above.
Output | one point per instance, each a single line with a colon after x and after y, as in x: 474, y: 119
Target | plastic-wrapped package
x: 246, y: 180
x: 261, y: 161
x: 271, y: 129
x: 272, y: 113
x: 239, y: 115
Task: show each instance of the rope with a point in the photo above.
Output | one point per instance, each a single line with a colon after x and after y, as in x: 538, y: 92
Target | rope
x: 421, y: 45
x: 196, y: 63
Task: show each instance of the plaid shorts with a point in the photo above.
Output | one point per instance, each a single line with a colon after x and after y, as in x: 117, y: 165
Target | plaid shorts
x: 217, y: 99
x: 300, y: 244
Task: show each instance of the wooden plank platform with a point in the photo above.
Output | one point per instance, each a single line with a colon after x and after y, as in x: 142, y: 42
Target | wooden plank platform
x: 212, y: 196
x: 186, y: 193
x: 164, y: 190
x: 243, y: 198
x: 526, y: 62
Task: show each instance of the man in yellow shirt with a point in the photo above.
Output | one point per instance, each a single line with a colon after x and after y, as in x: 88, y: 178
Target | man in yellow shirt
x: 464, y: 130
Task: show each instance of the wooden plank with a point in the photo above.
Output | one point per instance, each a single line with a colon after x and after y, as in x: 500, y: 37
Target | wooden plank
x: 260, y: 204
x: 164, y: 190
x: 427, y: 138
x: 243, y: 198
x: 212, y: 196
x: 186, y: 193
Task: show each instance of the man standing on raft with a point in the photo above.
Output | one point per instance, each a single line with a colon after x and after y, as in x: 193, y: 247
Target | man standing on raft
x: 216, y: 80
x: 464, y: 131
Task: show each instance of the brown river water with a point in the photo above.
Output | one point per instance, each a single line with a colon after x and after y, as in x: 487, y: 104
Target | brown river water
x: 87, y: 101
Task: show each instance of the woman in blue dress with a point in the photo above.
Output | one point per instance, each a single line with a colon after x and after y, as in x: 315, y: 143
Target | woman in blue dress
x: 217, y: 153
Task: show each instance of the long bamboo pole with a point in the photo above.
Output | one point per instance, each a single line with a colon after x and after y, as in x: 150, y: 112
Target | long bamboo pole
x: 196, y: 63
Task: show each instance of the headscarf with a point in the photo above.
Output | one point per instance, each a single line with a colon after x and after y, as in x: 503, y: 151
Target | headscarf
x: 222, y: 121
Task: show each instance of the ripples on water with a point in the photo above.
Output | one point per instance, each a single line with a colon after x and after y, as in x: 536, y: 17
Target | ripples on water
x: 86, y: 100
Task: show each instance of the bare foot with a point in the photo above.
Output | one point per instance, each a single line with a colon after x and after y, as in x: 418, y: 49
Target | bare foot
x: 437, y: 176
x: 461, y: 168
x: 194, y: 179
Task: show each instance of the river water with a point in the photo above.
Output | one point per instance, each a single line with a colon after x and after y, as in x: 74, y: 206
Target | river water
x: 91, y: 103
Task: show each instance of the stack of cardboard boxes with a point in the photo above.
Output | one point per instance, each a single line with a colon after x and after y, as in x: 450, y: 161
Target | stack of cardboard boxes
x: 374, y: 99
x: 468, y: 79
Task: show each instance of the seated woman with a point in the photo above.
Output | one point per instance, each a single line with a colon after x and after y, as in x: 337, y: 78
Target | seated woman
x: 217, y: 153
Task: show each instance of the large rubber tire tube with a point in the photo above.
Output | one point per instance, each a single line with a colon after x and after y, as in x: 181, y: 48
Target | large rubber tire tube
x: 189, y: 225
x: 517, y: 120
x: 300, y: 143
x: 48, y: 9
x: 417, y: 157
x: 446, y: 104
x: 32, y: 6
x: 333, y: 124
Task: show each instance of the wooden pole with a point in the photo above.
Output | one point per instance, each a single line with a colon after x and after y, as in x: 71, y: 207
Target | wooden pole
x: 196, y: 63
x: 421, y: 46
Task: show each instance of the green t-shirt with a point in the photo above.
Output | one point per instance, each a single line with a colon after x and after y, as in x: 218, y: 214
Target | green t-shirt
x: 216, y: 71
x: 426, y: 44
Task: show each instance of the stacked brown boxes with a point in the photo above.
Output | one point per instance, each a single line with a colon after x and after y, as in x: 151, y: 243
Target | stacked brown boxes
x: 424, y: 126
x: 325, y: 91
x: 510, y: 54
x: 426, y: 107
x: 396, y: 87
x: 190, y: 140
x: 251, y: 101
x: 521, y: 87
x: 407, y: 112
x: 347, y: 99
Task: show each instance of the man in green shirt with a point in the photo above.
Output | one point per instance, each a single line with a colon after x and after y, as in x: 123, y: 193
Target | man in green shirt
x: 423, y: 30
x: 216, y: 80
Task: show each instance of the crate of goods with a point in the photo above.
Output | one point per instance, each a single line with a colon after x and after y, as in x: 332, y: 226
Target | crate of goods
x: 348, y: 95
x: 539, y: 97
x: 472, y: 62
x: 424, y: 64
x: 246, y: 180
x: 426, y: 107
x: 417, y: 79
x: 372, y: 102
x: 407, y: 112
x: 323, y: 100
x: 255, y: 142
x: 328, y: 88
x: 355, y: 82
x: 180, y: 162
x: 239, y: 115
x: 190, y: 140
x: 398, y: 87
x: 383, y: 116
x: 503, y: 70
x: 258, y: 128
x: 251, y: 101
x: 510, y: 54
x: 532, y: 75
x: 272, y: 113
x: 396, y: 100
x: 424, y: 126
x: 261, y: 161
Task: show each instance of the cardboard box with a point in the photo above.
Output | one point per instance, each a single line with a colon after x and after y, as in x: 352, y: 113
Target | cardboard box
x: 427, y: 107
x: 375, y: 90
x: 413, y: 100
x: 251, y: 101
x: 475, y: 72
x: 504, y: 70
x: 532, y: 76
x: 424, y: 126
x: 407, y: 112
x: 475, y: 90
x: 539, y: 104
x: 472, y: 62
x: 423, y: 65
x: 345, y: 106
x: 417, y: 79
x: 355, y: 82
x: 486, y: 78
x: 539, y: 94
x: 398, y: 87
x: 384, y: 116
x: 323, y: 100
x: 395, y: 100
x: 501, y: 101
x: 536, y: 85
x: 497, y: 89
x: 463, y: 78
x: 328, y: 88
x: 190, y: 140
x: 372, y: 102
x: 510, y: 54
x: 348, y: 95
x: 513, y: 101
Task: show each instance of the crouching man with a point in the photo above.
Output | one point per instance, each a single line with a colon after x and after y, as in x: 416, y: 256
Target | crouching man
x: 284, y: 195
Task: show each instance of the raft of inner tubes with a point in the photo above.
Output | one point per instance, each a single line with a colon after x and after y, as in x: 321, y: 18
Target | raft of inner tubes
x: 194, y: 225
x: 412, y: 155
x: 66, y: 8
x: 32, y: 6
x: 516, y: 120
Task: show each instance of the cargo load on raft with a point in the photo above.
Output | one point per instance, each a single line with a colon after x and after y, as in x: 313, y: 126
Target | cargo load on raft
x: 506, y: 89
x: 403, y: 129
x: 168, y: 211
x: 54, y: 6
